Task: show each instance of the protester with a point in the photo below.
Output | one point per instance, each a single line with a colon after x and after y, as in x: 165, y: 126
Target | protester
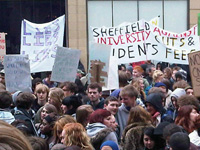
x: 111, y: 104
x: 179, y: 141
x: 187, y: 116
x: 5, y: 102
x: 47, y: 81
x: 24, y: 102
x: 128, y: 95
x: 149, y: 139
x: 99, y: 128
x: 41, y: 92
x: 94, y: 91
x: 155, y: 107
x: 82, y: 114
x: 70, y: 104
x: 109, y: 145
x: 69, y: 88
x: 139, y: 85
x: 189, y: 90
x: 138, y: 72
x: 12, y: 138
x: 38, y: 143
x: 58, y: 127
x: 75, y: 134
x: 173, y: 108
x: 56, y: 95
x: 138, y: 120
x: 43, y: 112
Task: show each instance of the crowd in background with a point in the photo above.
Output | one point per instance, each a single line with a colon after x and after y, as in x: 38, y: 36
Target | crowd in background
x: 153, y: 109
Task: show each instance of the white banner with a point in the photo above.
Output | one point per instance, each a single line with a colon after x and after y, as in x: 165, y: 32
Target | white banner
x: 65, y: 65
x: 17, y: 73
x: 39, y: 42
x: 139, y: 41
x: 2, y: 45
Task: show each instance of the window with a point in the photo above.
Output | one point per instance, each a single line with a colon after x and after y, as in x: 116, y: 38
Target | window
x: 173, y: 13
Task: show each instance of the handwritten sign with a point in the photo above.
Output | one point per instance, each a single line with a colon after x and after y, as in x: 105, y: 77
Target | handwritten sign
x: 39, y: 42
x: 141, y: 40
x: 17, y: 73
x: 65, y: 65
x: 99, y: 66
x: 194, y: 65
x: 2, y: 46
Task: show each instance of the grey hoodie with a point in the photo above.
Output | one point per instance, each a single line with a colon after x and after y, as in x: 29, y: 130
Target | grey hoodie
x: 177, y: 93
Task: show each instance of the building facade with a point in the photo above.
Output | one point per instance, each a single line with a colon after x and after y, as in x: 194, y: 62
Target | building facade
x: 175, y: 15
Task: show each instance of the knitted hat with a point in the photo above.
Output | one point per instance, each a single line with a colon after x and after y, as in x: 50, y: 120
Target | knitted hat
x: 130, y: 68
x: 159, y: 84
x: 115, y: 93
x: 112, y: 144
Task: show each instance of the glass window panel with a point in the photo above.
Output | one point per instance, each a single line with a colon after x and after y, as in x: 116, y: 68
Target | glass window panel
x: 151, y: 9
x: 124, y: 11
x: 99, y: 14
x: 175, y: 16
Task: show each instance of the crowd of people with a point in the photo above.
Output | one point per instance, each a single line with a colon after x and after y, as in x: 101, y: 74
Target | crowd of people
x: 153, y: 109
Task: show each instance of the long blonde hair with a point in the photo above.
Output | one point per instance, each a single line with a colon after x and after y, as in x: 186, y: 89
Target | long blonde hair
x: 136, y: 83
x: 75, y: 134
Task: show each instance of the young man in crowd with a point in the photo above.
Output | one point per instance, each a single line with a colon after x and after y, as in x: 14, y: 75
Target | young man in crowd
x: 94, y: 92
x: 128, y: 96
x: 111, y: 104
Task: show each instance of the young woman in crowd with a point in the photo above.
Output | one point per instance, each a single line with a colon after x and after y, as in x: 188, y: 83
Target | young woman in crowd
x: 59, y: 124
x: 154, y: 105
x: 138, y: 120
x: 70, y: 104
x: 187, y: 116
x: 139, y: 85
x: 75, y: 134
x: 46, y: 128
x: 149, y: 139
x: 43, y: 112
x: 82, y: 114
x: 56, y: 95
x: 100, y: 128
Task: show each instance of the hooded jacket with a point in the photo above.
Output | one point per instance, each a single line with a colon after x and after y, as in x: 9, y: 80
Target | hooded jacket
x: 100, y: 133
x: 171, y: 111
x: 155, y: 99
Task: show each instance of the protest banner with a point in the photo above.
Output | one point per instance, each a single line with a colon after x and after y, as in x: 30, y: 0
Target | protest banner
x: 2, y: 46
x: 17, y: 73
x: 65, y: 65
x: 99, y: 69
x: 39, y: 42
x: 140, y: 41
x: 194, y: 65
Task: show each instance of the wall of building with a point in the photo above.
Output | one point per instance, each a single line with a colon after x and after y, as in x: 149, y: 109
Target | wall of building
x: 194, y: 10
x: 77, y: 27
x: 77, y: 22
